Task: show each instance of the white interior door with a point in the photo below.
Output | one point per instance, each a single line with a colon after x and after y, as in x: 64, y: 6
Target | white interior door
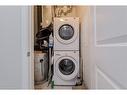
x: 109, y: 46
x: 16, y: 69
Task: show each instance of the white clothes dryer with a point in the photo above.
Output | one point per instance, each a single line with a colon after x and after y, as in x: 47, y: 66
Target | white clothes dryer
x: 66, y: 33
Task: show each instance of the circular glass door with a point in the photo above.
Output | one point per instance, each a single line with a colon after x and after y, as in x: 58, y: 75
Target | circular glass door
x: 66, y: 66
x: 66, y: 32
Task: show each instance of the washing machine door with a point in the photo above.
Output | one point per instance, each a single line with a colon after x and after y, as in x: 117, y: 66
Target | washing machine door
x: 67, y: 68
x: 66, y: 34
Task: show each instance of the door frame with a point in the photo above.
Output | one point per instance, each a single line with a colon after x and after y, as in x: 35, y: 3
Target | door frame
x: 27, y: 40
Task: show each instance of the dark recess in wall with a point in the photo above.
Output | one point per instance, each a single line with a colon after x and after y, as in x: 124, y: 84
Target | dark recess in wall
x: 39, y: 16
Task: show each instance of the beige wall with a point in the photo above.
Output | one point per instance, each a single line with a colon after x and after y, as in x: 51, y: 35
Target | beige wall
x: 82, y: 13
x: 46, y: 15
x: 71, y: 14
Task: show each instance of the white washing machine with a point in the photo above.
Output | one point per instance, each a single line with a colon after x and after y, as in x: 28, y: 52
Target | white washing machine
x: 66, y: 33
x: 66, y: 67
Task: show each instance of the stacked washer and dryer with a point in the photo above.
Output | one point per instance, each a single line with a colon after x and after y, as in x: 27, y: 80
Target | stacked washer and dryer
x: 66, y: 51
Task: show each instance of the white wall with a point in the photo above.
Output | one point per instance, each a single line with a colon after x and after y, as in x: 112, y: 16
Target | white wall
x: 12, y: 47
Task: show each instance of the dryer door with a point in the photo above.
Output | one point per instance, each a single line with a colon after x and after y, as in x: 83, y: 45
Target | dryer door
x: 66, y: 34
x: 67, y: 68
